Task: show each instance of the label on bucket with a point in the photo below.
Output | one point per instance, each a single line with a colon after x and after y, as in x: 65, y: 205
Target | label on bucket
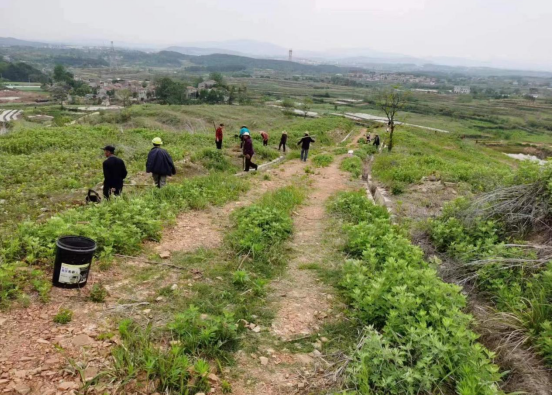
x: 73, y: 274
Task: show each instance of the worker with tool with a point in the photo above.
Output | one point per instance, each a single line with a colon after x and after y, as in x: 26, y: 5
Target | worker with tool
x: 305, y: 141
x: 265, y: 137
x: 219, y: 136
x: 248, y: 152
x: 159, y: 163
x: 114, y: 172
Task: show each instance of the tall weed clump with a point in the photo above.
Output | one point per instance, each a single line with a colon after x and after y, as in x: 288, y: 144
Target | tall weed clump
x: 416, y: 337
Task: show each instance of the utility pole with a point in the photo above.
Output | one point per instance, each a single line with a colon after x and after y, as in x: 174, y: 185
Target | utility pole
x: 113, y: 62
x: 290, y: 55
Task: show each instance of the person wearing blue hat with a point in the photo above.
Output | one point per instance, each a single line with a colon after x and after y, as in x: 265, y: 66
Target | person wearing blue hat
x: 243, y: 129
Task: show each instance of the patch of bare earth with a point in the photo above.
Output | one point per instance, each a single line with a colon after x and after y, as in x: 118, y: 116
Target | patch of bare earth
x: 301, y: 301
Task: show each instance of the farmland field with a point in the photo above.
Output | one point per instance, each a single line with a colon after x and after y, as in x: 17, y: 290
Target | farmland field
x: 198, y: 285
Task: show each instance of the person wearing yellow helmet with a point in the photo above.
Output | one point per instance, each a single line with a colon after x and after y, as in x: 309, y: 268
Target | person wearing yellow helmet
x: 159, y: 163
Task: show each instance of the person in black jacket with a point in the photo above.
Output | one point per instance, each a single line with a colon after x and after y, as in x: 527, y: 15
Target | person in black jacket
x: 114, y: 172
x: 159, y: 163
x: 283, y: 141
x: 376, y: 141
x: 305, y: 141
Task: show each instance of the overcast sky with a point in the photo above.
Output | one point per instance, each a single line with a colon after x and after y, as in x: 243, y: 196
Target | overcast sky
x: 516, y: 31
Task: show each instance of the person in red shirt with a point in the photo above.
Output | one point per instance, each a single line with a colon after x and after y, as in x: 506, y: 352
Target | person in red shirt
x: 265, y: 137
x: 219, y: 136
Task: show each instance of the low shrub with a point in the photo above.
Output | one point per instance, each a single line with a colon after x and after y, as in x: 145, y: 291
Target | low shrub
x: 16, y: 279
x: 322, y: 160
x: 120, y: 224
x: 417, y: 339
x: 213, y: 159
x: 169, y: 368
x: 355, y: 206
x: 205, y: 334
x: 63, y: 316
x: 98, y: 293
x: 263, y: 226
x: 352, y: 165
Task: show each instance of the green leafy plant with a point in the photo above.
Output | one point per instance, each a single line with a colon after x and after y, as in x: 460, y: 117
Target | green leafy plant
x: 166, y: 291
x: 241, y: 278
x: 226, y: 387
x: 416, y: 337
x: 322, y: 160
x: 63, y: 316
x: 205, y: 334
x: 98, y: 293
x: 352, y: 165
x: 170, y: 368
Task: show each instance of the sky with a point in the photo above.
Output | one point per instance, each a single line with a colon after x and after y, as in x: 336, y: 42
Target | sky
x: 514, y: 32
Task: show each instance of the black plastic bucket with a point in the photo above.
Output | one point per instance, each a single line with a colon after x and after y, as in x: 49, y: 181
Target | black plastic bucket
x: 73, y: 259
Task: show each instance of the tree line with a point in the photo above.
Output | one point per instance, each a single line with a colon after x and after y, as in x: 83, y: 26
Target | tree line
x: 170, y: 91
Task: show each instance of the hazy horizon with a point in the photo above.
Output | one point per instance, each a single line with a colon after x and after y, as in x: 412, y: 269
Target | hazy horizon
x: 511, y: 32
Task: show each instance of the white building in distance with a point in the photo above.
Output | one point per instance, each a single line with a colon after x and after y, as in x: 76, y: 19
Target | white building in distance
x: 463, y: 90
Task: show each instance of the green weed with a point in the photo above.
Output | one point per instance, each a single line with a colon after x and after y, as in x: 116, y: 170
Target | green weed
x: 168, y: 369
x: 205, y: 334
x: 322, y: 160
x: 63, y: 316
x: 352, y: 165
x: 406, y: 310
x: 240, y: 278
x: 98, y: 293
x: 213, y: 159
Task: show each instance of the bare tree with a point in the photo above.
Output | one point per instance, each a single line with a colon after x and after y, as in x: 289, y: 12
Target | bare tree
x: 391, y: 101
x: 124, y: 95
x: 59, y: 92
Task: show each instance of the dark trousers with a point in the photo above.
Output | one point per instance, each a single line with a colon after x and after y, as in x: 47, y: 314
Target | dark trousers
x: 304, y: 154
x: 107, y: 190
x: 284, y: 145
x: 218, y: 144
x: 249, y: 164
x: 265, y: 142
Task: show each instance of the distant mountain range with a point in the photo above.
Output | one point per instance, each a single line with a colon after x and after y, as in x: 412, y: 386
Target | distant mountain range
x: 357, y: 57
x: 11, y: 42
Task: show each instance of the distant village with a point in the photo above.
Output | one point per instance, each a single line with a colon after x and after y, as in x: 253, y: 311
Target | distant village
x: 104, y: 92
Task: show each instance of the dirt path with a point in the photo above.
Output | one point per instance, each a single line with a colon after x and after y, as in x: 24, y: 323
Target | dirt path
x: 301, y: 301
